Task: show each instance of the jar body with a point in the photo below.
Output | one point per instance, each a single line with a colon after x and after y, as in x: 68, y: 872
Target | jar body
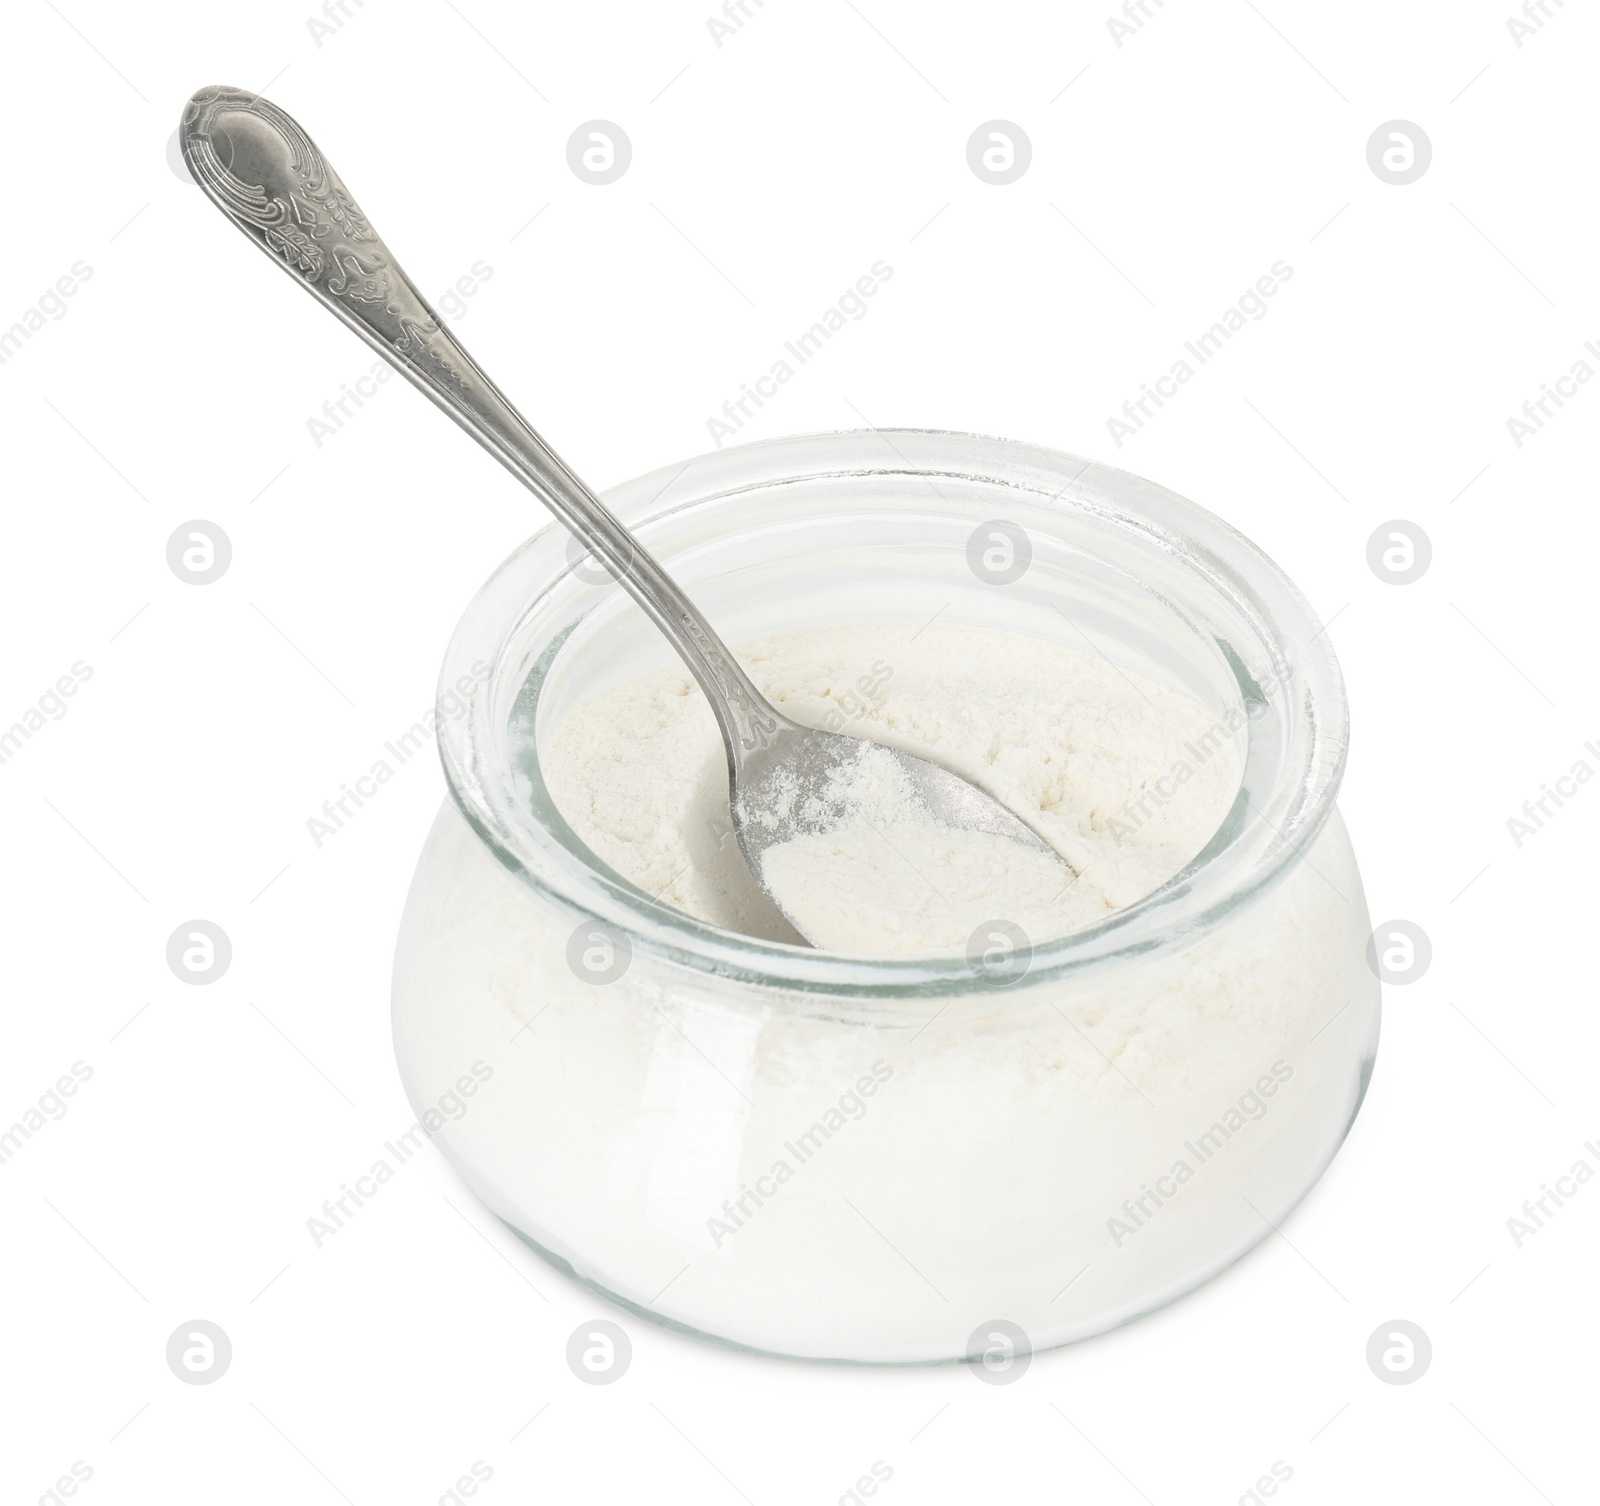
x: 870, y: 1160
x: 875, y: 1180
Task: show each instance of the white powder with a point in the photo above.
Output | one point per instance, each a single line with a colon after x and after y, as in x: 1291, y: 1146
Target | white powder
x: 873, y: 872
x: 1074, y: 746
x: 877, y: 1178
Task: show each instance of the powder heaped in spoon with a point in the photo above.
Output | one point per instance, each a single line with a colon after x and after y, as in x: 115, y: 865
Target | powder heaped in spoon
x: 873, y: 873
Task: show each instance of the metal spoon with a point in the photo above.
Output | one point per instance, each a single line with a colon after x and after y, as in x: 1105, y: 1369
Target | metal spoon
x: 264, y: 173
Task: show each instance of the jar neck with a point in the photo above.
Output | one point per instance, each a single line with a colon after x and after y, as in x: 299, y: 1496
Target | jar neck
x: 1234, y: 628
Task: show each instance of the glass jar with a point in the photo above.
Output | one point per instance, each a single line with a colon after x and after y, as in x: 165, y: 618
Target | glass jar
x: 822, y: 1156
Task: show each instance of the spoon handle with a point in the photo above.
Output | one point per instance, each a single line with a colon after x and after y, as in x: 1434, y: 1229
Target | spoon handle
x: 261, y: 170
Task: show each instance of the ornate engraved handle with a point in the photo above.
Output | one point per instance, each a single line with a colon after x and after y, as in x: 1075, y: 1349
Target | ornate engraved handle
x: 262, y: 170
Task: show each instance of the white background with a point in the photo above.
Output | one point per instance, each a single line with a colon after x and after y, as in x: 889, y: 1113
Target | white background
x: 768, y: 174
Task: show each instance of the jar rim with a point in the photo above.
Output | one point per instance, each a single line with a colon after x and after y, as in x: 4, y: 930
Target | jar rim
x: 1252, y: 851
